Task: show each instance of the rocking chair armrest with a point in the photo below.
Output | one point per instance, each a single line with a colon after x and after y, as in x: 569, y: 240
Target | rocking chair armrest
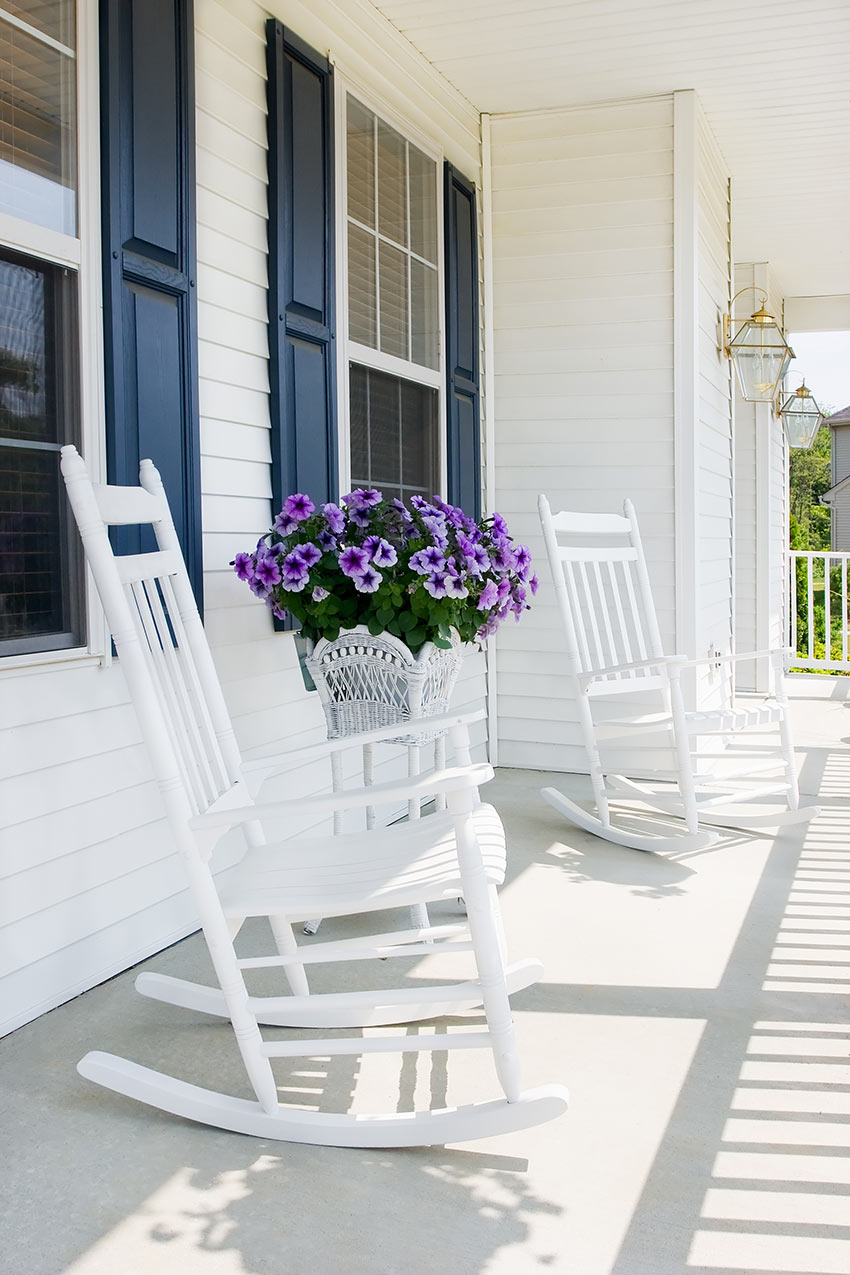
x: 281, y: 761
x: 634, y: 666
x: 455, y: 779
x: 781, y: 652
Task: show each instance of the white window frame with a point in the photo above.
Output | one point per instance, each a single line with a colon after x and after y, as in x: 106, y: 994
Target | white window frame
x: 82, y: 253
x: 349, y: 351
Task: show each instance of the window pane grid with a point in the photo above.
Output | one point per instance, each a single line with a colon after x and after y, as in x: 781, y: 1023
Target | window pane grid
x: 392, y: 190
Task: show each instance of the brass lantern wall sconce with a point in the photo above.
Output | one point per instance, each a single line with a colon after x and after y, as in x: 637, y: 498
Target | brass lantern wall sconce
x: 801, y: 417
x: 758, y: 350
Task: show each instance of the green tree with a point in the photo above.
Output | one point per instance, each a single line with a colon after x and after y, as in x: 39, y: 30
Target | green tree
x: 810, y: 475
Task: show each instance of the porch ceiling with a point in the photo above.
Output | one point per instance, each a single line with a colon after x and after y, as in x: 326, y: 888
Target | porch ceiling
x: 772, y: 76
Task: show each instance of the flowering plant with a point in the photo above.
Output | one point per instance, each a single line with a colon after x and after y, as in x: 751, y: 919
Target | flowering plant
x: 414, y: 572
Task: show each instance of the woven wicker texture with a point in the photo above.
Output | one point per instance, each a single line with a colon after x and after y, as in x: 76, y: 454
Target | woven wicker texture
x: 365, y: 681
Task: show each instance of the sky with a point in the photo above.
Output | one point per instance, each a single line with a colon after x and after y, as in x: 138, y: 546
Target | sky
x: 823, y: 358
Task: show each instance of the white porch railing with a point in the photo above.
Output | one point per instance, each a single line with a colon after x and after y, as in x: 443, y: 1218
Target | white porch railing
x: 820, y: 627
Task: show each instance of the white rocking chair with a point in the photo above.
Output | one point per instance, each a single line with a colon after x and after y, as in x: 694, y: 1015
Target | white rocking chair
x: 206, y: 790
x: 613, y: 649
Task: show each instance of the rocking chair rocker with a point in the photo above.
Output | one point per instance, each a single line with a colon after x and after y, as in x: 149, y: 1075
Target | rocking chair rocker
x: 207, y: 790
x: 615, y: 661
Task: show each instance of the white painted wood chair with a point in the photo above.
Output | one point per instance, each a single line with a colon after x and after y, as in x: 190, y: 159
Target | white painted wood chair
x: 206, y: 791
x: 628, y: 696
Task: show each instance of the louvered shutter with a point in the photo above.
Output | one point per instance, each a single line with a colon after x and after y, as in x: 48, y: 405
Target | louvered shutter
x: 301, y: 269
x: 150, y: 320
x: 462, y: 389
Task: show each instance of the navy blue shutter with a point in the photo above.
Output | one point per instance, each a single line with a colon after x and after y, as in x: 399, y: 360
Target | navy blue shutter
x: 150, y: 311
x: 462, y: 388
x: 302, y: 356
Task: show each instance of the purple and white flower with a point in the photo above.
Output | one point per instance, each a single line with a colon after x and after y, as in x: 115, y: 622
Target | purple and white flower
x: 427, y: 560
x: 362, y: 498
x: 334, y: 517
x: 319, y: 594
x: 353, y: 561
x: 380, y: 551
x: 308, y: 553
x: 368, y: 580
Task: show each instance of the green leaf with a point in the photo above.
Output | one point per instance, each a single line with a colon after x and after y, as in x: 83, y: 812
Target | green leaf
x: 375, y: 626
x: 406, y: 621
x: 385, y: 615
x: 441, y: 643
x: 416, y: 637
x: 394, y: 628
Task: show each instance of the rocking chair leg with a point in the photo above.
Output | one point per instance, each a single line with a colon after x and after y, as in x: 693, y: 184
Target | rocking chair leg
x: 286, y: 946
x: 687, y: 786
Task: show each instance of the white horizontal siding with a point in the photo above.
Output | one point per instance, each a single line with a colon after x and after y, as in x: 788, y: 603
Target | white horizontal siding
x: 582, y: 248
x: 88, y: 880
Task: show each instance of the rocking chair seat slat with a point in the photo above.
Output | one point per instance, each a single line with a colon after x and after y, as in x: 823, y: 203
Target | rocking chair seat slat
x: 384, y: 868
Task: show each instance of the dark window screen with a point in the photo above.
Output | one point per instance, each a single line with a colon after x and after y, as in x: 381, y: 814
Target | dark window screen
x: 38, y: 354
x: 393, y: 434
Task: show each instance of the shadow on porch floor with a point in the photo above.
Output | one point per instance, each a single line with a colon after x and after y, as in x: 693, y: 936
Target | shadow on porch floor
x: 695, y: 1004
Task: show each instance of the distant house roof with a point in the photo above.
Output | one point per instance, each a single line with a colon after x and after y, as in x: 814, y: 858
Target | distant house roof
x: 839, y: 418
x: 828, y: 496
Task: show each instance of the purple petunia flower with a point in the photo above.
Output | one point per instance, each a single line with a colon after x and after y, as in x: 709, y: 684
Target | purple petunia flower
x: 295, y: 574
x: 267, y: 571
x: 258, y: 588
x: 436, y: 584
x: 319, y: 594
x: 499, y: 525
x: 501, y: 557
x: 243, y: 565
x: 277, y: 611
x: 534, y: 585
x: 353, y: 560
x: 307, y: 553
x: 380, y: 551
x: 489, y: 596
x: 298, y: 506
x: 368, y: 580
x: 503, y: 588
x: 362, y: 498
x: 455, y: 588
x: 284, y: 525
x: 326, y: 541
x: 335, y: 518
x: 427, y: 560
x: 360, y: 518
x: 522, y: 560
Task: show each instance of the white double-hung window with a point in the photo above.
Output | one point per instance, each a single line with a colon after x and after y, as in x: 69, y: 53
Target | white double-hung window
x: 393, y: 343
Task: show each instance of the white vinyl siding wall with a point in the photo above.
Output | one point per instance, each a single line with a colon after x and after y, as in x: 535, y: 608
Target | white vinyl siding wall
x: 90, y: 884
x: 583, y: 301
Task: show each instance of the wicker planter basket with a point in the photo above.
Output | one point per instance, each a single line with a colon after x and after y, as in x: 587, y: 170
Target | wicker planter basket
x: 365, y: 682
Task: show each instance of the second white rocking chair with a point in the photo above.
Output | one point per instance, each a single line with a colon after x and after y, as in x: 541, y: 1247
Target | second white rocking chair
x: 628, y: 692
x: 207, y: 790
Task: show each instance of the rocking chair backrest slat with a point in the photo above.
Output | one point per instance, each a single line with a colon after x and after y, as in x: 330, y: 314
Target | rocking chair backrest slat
x: 603, y: 593
x: 159, y: 637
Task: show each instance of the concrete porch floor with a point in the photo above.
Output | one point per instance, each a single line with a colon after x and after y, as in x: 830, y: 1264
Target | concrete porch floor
x: 696, y: 1005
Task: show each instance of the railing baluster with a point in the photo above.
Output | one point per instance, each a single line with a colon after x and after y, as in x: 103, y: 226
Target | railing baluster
x: 844, y: 608
x: 795, y: 635
x: 810, y: 613
x: 827, y: 609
